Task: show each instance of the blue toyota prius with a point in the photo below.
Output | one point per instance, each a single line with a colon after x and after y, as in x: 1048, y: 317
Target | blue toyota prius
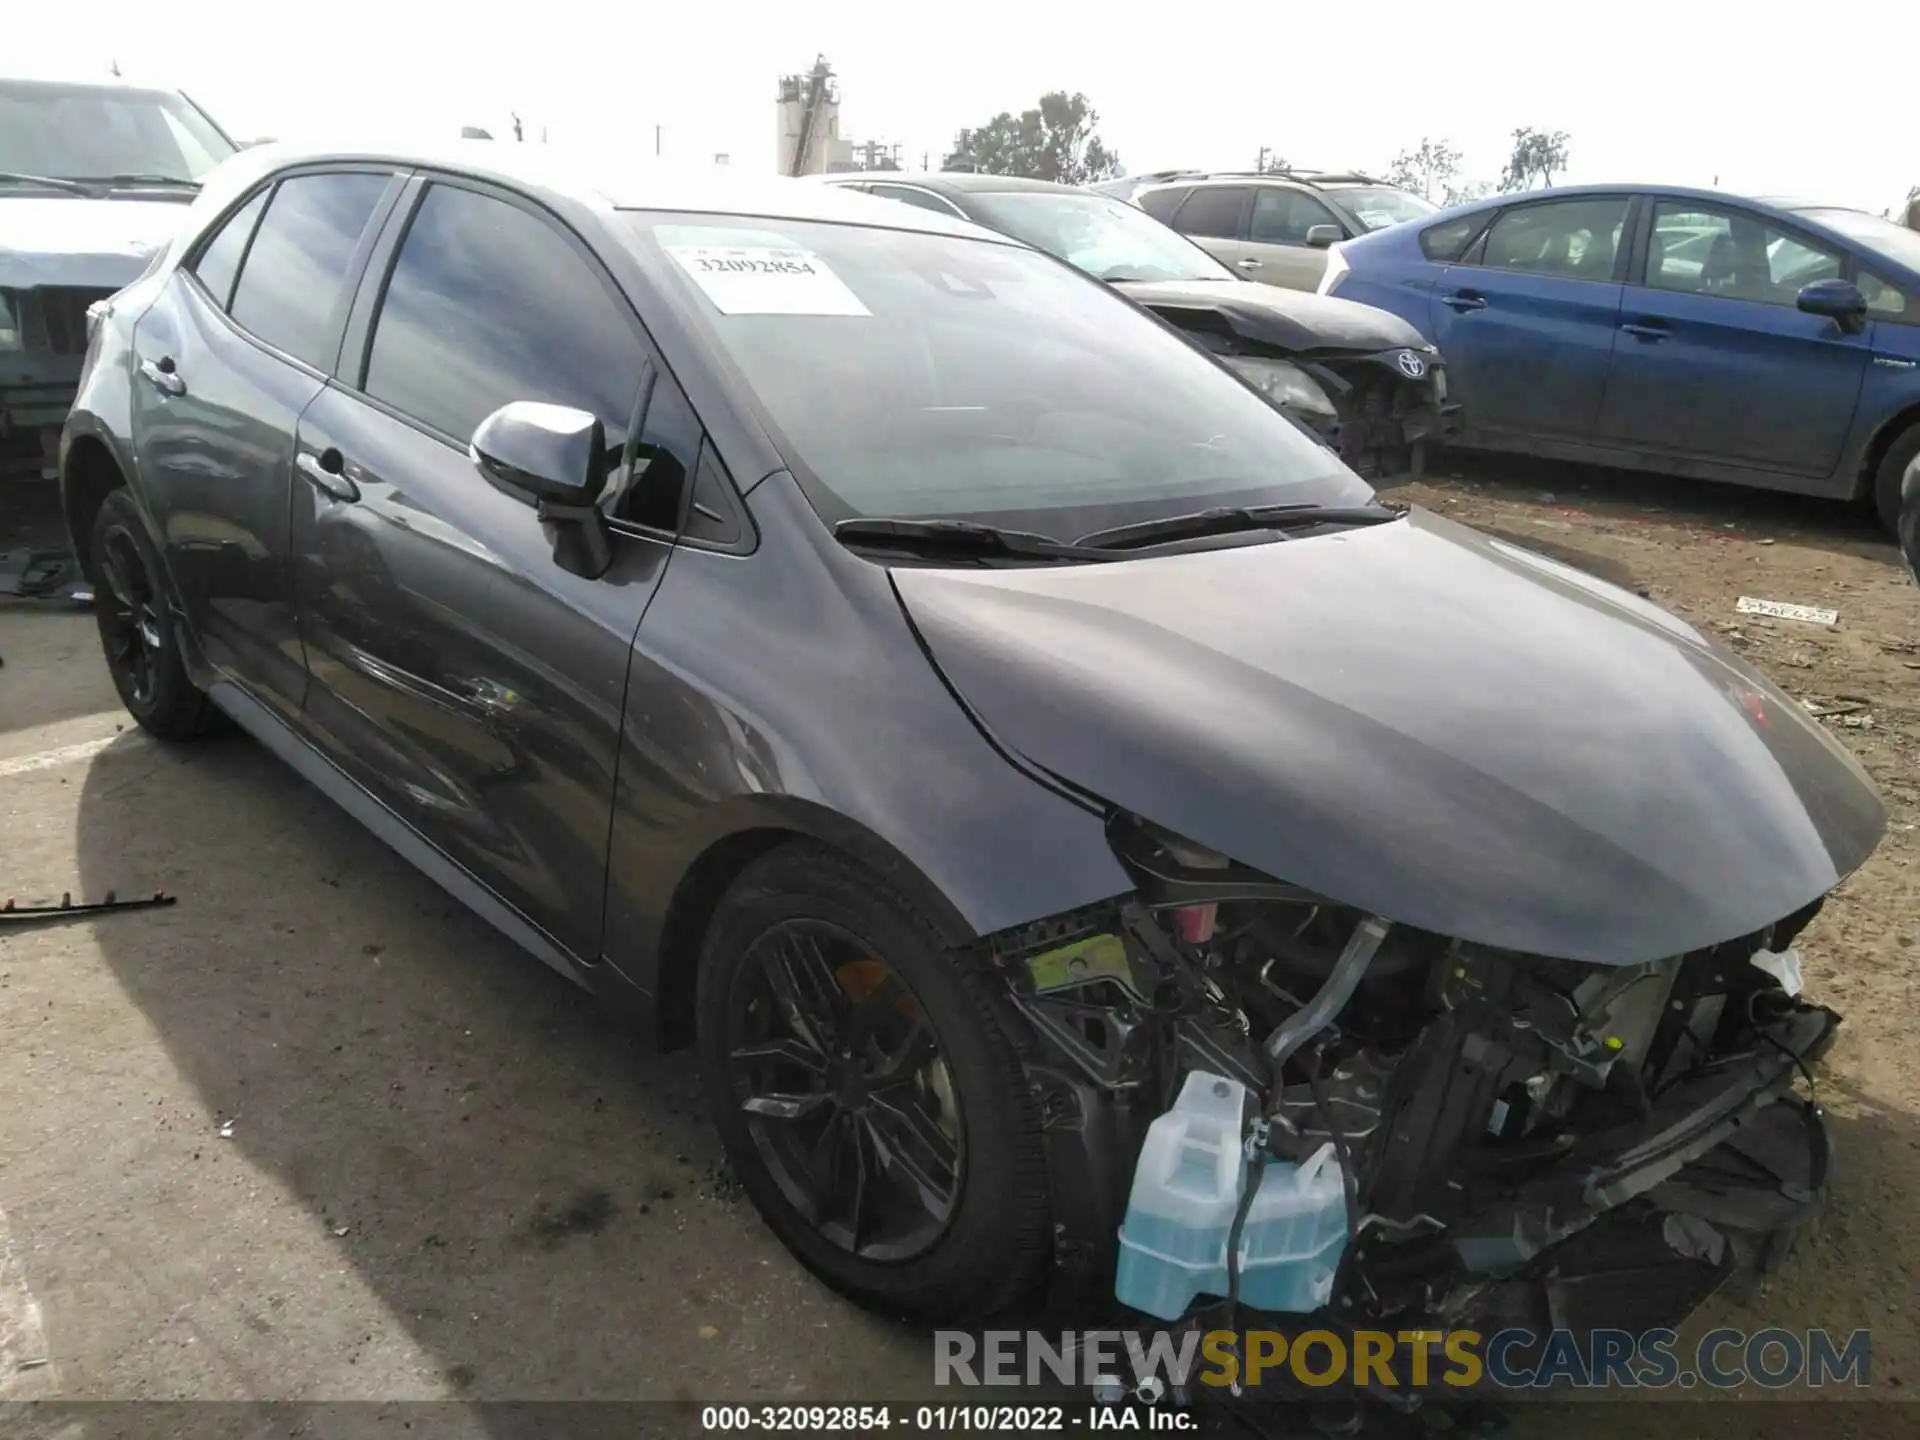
x: 1773, y: 343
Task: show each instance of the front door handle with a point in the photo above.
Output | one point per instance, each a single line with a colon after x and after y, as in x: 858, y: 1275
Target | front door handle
x: 325, y: 473
x: 1647, y: 331
x: 1465, y: 300
x: 1250, y: 264
x: 161, y: 375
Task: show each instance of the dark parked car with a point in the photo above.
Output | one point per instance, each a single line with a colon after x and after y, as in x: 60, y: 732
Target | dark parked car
x: 1762, y: 343
x: 93, y: 180
x: 857, y: 643
x: 1360, y: 378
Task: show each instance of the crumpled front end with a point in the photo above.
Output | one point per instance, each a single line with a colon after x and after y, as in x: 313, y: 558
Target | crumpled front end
x: 1523, y: 1141
x: 1362, y: 380
x: 1383, y: 411
x: 43, y: 342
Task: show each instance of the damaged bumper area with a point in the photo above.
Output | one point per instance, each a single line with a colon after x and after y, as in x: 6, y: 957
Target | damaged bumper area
x: 1520, y: 1140
x: 1383, y: 413
x: 43, y: 345
x: 1360, y: 379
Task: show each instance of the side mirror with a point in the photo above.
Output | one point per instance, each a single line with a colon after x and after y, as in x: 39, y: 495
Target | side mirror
x: 1838, y: 300
x: 1321, y: 237
x: 556, y: 457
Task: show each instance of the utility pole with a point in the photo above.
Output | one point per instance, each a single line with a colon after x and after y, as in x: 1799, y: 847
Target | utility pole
x: 656, y: 141
x: 1260, y: 165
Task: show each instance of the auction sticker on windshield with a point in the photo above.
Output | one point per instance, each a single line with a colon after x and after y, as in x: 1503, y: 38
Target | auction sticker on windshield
x: 765, y: 280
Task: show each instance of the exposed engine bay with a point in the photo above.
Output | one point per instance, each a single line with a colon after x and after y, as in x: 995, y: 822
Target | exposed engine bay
x: 1520, y: 1137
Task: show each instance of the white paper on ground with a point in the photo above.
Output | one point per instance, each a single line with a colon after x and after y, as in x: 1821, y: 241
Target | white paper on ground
x: 765, y: 280
x: 1812, y: 614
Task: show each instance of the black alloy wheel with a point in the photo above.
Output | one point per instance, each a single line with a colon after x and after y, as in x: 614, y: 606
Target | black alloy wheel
x: 847, y: 1095
x: 864, y: 1077
x: 129, y: 613
x: 137, y: 631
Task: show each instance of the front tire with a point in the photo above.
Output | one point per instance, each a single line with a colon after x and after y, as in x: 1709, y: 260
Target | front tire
x: 1886, y: 480
x: 138, y: 629
x: 868, y: 1092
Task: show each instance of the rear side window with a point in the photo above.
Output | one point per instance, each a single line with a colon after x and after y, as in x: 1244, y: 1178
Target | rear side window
x: 297, y: 265
x: 1283, y: 217
x: 1214, y: 213
x: 1161, y: 204
x: 488, y: 304
x: 908, y: 195
x: 219, y: 262
x: 1445, y: 242
x: 1568, y: 239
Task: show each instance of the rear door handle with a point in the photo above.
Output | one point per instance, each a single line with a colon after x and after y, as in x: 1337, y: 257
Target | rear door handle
x: 1647, y: 330
x: 160, y: 374
x: 1250, y: 264
x: 324, y: 473
x: 1464, y: 300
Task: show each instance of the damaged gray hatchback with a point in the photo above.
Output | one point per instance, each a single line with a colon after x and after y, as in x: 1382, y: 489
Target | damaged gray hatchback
x: 1011, y: 750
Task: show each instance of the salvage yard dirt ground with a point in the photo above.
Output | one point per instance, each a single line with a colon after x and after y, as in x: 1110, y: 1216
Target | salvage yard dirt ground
x: 316, y: 1133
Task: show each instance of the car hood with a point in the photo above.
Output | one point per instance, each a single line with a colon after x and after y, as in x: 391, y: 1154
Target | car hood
x: 67, y: 240
x: 1290, y: 319
x: 1421, y: 722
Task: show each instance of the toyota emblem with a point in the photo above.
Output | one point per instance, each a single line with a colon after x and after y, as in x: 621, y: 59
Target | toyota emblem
x: 1412, y: 365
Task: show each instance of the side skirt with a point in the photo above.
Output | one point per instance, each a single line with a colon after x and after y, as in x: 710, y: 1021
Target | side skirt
x: 263, y: 725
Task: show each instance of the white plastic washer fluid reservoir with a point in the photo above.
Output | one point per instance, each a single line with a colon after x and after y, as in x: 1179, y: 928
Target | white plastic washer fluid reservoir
x: 1186, y: 1187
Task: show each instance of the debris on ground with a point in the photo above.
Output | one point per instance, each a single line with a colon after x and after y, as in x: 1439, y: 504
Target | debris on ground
x: 1811, y: 614
x: 67, y: 910
x: 34, y: 574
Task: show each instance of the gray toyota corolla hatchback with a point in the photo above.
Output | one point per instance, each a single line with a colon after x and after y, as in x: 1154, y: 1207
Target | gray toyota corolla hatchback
x: 863, y: 646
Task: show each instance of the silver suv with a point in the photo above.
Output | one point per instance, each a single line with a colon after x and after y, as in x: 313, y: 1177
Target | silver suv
x: 1278, y: 226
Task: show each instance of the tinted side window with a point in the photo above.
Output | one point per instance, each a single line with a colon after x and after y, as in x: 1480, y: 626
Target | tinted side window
x: 907, y: 195
x: 1448, y: 239
x: 489, y: 304
x: 219, y: 262
x: 1283, y: 217
x: 1736, y: 256
x: 1161, y: 204
x: 297, y: 265
x: 1212, y: 212
x: 1571, y: 239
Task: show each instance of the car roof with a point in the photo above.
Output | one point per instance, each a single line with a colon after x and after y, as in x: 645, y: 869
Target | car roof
x: 953, y: 183
x: 67, y: 84
x: 605, y: 184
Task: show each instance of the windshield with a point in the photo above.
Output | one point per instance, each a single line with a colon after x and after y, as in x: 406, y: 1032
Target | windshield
x: 917, y: 375
x: 1378, y: 206
x: 1109, y: 239
x: 1883, y: 237
x: 88, y: 132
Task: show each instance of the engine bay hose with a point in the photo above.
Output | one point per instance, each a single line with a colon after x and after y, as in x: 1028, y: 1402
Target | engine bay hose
x: 1331, y: 998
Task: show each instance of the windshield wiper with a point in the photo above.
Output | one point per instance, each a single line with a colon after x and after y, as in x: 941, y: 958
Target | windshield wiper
x: 179, y: 181
x: 52, y: 182
x: 959, y: 537
x: 1226, y: 519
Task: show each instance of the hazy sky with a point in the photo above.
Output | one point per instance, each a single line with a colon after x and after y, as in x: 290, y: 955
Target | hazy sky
x: 1768, y: 98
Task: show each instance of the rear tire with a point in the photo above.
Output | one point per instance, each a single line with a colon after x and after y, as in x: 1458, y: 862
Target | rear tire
x: 838, y: 1174
x: 138, y: 630
x: 1893, y: 468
